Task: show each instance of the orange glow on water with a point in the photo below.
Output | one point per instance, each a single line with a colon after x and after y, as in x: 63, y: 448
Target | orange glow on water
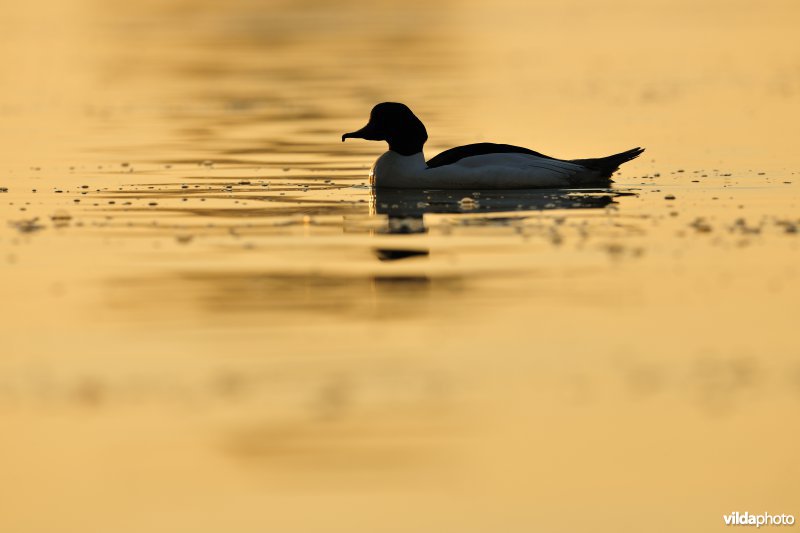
x: 211, y: 323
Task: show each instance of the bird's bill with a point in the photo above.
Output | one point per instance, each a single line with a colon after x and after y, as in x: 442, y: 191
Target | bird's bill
x: 368, y: 132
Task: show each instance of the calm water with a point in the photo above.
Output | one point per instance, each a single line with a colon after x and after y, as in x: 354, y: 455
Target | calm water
x: 210, y: 323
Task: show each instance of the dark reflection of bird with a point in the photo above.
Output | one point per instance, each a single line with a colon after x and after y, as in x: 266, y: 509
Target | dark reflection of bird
x: 418, y: 202
x: 405, y: 208
x: 474, y: 166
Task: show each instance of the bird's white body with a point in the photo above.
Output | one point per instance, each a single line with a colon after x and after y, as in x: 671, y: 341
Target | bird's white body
x: 487, y: 171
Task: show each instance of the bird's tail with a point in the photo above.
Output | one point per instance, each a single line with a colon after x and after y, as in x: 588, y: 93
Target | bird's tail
x: 609, y: 164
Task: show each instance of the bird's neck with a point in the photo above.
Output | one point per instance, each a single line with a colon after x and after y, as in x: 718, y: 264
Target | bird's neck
x: 410, y: 161
x: 405, y: 145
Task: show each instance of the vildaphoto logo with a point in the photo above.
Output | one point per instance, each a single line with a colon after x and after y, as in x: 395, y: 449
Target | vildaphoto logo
x: 746, y: 519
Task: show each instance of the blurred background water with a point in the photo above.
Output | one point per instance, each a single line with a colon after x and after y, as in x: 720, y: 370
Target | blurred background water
x: 210, y: 322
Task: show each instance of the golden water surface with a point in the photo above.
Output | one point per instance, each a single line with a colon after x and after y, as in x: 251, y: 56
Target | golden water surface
x: 210, y: 323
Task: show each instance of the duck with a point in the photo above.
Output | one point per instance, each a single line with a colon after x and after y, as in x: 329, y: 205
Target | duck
x: 472, y: 166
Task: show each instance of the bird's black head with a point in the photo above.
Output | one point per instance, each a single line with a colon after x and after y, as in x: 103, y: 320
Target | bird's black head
x: 395, y: 124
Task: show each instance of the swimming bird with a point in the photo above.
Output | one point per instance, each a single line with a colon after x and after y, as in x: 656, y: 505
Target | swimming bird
x: 473, y: 166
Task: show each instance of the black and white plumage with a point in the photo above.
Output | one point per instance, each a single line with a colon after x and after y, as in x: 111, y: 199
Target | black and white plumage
x: 473, y: 166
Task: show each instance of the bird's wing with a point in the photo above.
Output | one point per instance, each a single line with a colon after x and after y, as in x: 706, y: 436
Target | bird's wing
x: 453, y: 155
